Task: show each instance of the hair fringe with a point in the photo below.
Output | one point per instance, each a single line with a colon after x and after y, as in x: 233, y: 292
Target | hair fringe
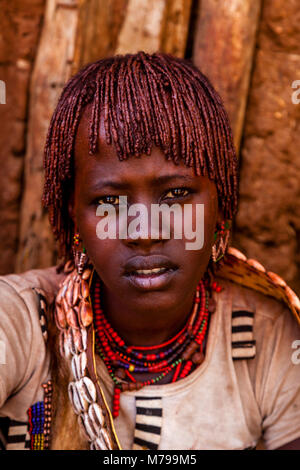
x: 145, y: 100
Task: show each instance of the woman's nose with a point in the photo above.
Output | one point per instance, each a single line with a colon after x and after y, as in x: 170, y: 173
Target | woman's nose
x: 143, y: 228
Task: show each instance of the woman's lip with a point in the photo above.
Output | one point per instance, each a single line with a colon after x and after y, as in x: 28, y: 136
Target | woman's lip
x: 148, y: 262
x: 151, y: 281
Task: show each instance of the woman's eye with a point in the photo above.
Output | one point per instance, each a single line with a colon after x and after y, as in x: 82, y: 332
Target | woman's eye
x: 176, y: 192
x: 109, y: 200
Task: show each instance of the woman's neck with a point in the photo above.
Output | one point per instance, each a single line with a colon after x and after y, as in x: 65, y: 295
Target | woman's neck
x: 148, y: 328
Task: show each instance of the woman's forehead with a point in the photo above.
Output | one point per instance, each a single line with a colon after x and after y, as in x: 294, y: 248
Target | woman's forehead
x: 105, y: 164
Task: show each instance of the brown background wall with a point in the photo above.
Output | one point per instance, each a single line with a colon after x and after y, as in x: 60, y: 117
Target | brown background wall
x: 250, y: 49
x: 20, y: 25
x: 268, y: 222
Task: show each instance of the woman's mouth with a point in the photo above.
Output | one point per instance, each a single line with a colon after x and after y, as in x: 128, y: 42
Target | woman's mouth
x: 150, y: 271
x: 147, y: 277
x: 150, y: 279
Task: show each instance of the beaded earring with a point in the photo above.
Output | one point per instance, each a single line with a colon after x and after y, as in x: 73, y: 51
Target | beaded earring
x: 79, y: 253
x: 221, y: 237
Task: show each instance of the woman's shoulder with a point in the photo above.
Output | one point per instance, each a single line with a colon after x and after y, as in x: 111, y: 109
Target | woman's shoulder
x: 261, y: 291
x: 45, y: 281
x: 24, y: 301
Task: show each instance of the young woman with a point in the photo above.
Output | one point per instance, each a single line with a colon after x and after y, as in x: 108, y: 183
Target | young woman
x: 147, y: 341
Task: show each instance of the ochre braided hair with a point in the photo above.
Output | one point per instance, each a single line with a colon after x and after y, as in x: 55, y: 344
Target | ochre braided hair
x: 145, y: 100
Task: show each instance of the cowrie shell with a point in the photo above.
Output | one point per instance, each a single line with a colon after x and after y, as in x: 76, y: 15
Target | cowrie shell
x: 79, y: 365
x: 96, y: 415
x: 71, y: 340
x: 61, y: 293
x: 256, y: 265
x: 85, y: 313
x: 84, y: 289
x: 234, y: 252
x: 90, y: 428
x: 86, y: 274
x: 76, y: 292
x: 69, y: 294
x: 64, y: 345
x: 292, y: 297
x: 82, y: 427
x: 84, y: 338
x: 276, y: 279
x: 78, y: 402
x: 106, y: 438
x: 75, y: 366
x: 64, y: 304
x: 88, y: 389
x: 60, y: 318
x: 98, y: 444
x: 72, y: 318
x: 84, y: 405
x: 78, y: 340
x: 83, y: 363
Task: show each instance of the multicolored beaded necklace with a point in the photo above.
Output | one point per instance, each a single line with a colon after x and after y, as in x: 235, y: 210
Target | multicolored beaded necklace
x: 183, y: 352
x: 39, y: 420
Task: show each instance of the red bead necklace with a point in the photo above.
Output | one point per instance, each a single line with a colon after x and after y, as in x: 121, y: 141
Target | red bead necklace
x: 183, y: 352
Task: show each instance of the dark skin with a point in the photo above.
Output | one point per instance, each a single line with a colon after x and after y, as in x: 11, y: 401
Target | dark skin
x: 141, y: 317
x: 151, y: 317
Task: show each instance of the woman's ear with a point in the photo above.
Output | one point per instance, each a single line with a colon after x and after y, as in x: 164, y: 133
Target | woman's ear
x: 220, y: 218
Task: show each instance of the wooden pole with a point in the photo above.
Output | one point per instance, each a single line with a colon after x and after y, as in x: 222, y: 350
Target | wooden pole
x: 99, y: 24
x: 129, y: 26
x: 223, y: 50
x: 20, y: 26
x: 52, y: 69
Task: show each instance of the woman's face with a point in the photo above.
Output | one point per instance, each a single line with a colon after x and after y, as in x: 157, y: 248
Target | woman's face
x: 102, y: 178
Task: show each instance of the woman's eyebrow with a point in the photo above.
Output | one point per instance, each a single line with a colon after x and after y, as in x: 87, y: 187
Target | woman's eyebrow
x: 109, y: 184
x: 157, y: 180
x: 167, y: 178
